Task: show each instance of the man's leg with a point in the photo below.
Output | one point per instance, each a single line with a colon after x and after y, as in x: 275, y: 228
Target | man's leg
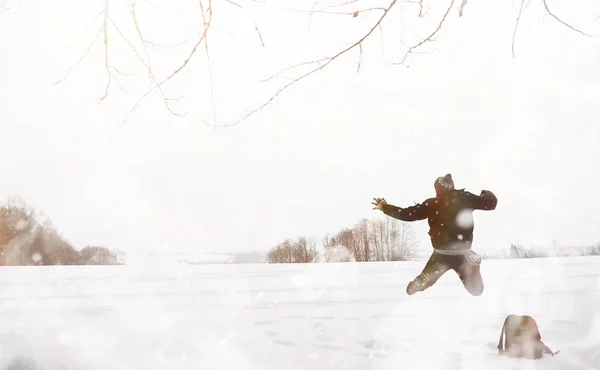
x: 435, y: 267
x: 470, y: 274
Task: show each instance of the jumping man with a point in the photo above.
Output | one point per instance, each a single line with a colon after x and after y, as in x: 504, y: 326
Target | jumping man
x: 450, y: 217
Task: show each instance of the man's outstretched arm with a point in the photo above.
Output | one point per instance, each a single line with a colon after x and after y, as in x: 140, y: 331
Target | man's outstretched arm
x: 412, y: 213
x: 486, y: 201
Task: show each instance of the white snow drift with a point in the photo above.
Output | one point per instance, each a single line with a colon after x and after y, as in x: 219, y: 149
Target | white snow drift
x: 312, y: 316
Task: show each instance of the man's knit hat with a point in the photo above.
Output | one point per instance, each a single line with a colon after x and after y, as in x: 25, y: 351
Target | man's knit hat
x: 443, y: 184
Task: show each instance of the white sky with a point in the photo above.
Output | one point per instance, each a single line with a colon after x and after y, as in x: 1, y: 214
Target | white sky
x: 311, y: 162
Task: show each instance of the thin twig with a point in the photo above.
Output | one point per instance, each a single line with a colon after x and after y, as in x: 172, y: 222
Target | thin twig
x: 462, y: 8
x: 360, y: 57
x: 310, y: 14
x: 382, y: 41
x: 161, y: 46
x: 276, y: 75
x: 106, y: 64
x: 85, y: 28
x: 86, y: 52
x: 352, y: 13
x: 561, y: 21
x: 110, y: 70
x: 251, y: 18
x: 516, y: 26
x: 133, y: 11
x: 148, y: 69
x: 431, y: 35
x: 206, y: 22
x: 148, y: 65
x: 338, y: 5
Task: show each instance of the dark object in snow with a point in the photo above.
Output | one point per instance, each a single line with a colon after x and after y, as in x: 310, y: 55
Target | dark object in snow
x: 523, y: 338
x: 451, y: 226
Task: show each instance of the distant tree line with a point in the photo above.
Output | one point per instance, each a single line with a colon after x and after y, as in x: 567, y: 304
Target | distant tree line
x: 517, y: 251
x: 301, y: 250
x: 385, y: 239
x: 27, y: 239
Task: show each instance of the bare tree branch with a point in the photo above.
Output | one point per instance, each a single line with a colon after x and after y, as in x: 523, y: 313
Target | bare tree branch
x: 337, y: 5
x: 321, y: 64
x: 360, y: 57
x: 382, y: 41
x: 210, y: 75
x: 550, y: 13
x: 310, y: 14
x: 290, y: 75
x: 85, y: 28
x: 87, y: 50
x: 148, y: 68
x: 107, y: 65
x: 516, y: 26
x: 251, y: 18
x: 109, y: 69
x: 133, y: 12
x: 561, y: 21
x: 462, y: 8
x: 207, y: 16
x: 430, y: 37
x: 112, y: 72
x: 353, y: 13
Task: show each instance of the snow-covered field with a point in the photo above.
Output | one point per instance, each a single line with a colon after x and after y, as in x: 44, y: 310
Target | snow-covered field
x: 313, y: 316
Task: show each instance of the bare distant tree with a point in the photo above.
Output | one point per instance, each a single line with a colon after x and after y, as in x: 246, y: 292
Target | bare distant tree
x: 26, y: 238
x: 96, y: 255
x: 393, y: 240
x: 281, y: 253
x: 16, y: 217
x: 305, y: 250
x: 347, y: 238
x: 390, y: 237
x: 362, y: 239
x: 405, y: 245
x: 377, y: 234
x: 328, y: 243
x: 383, y: 11
x: 334, y: 250
x: 375, y: 240
x: 592, y: 250
x: 301, y: 250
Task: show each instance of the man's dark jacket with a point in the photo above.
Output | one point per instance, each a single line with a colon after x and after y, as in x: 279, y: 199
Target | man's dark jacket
x: 450, y: 216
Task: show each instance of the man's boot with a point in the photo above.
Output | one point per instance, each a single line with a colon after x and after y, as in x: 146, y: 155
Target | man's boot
x: 417, y: 284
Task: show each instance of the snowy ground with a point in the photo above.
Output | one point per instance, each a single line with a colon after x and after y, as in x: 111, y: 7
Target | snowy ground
x: 314, y: 316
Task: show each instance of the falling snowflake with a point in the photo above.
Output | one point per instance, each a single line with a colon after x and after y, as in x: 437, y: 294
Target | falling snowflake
x: 36, y: 258
x: 465, y: 219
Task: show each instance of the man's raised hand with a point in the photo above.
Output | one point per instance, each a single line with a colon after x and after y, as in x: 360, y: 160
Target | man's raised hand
x: 379, y: 203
